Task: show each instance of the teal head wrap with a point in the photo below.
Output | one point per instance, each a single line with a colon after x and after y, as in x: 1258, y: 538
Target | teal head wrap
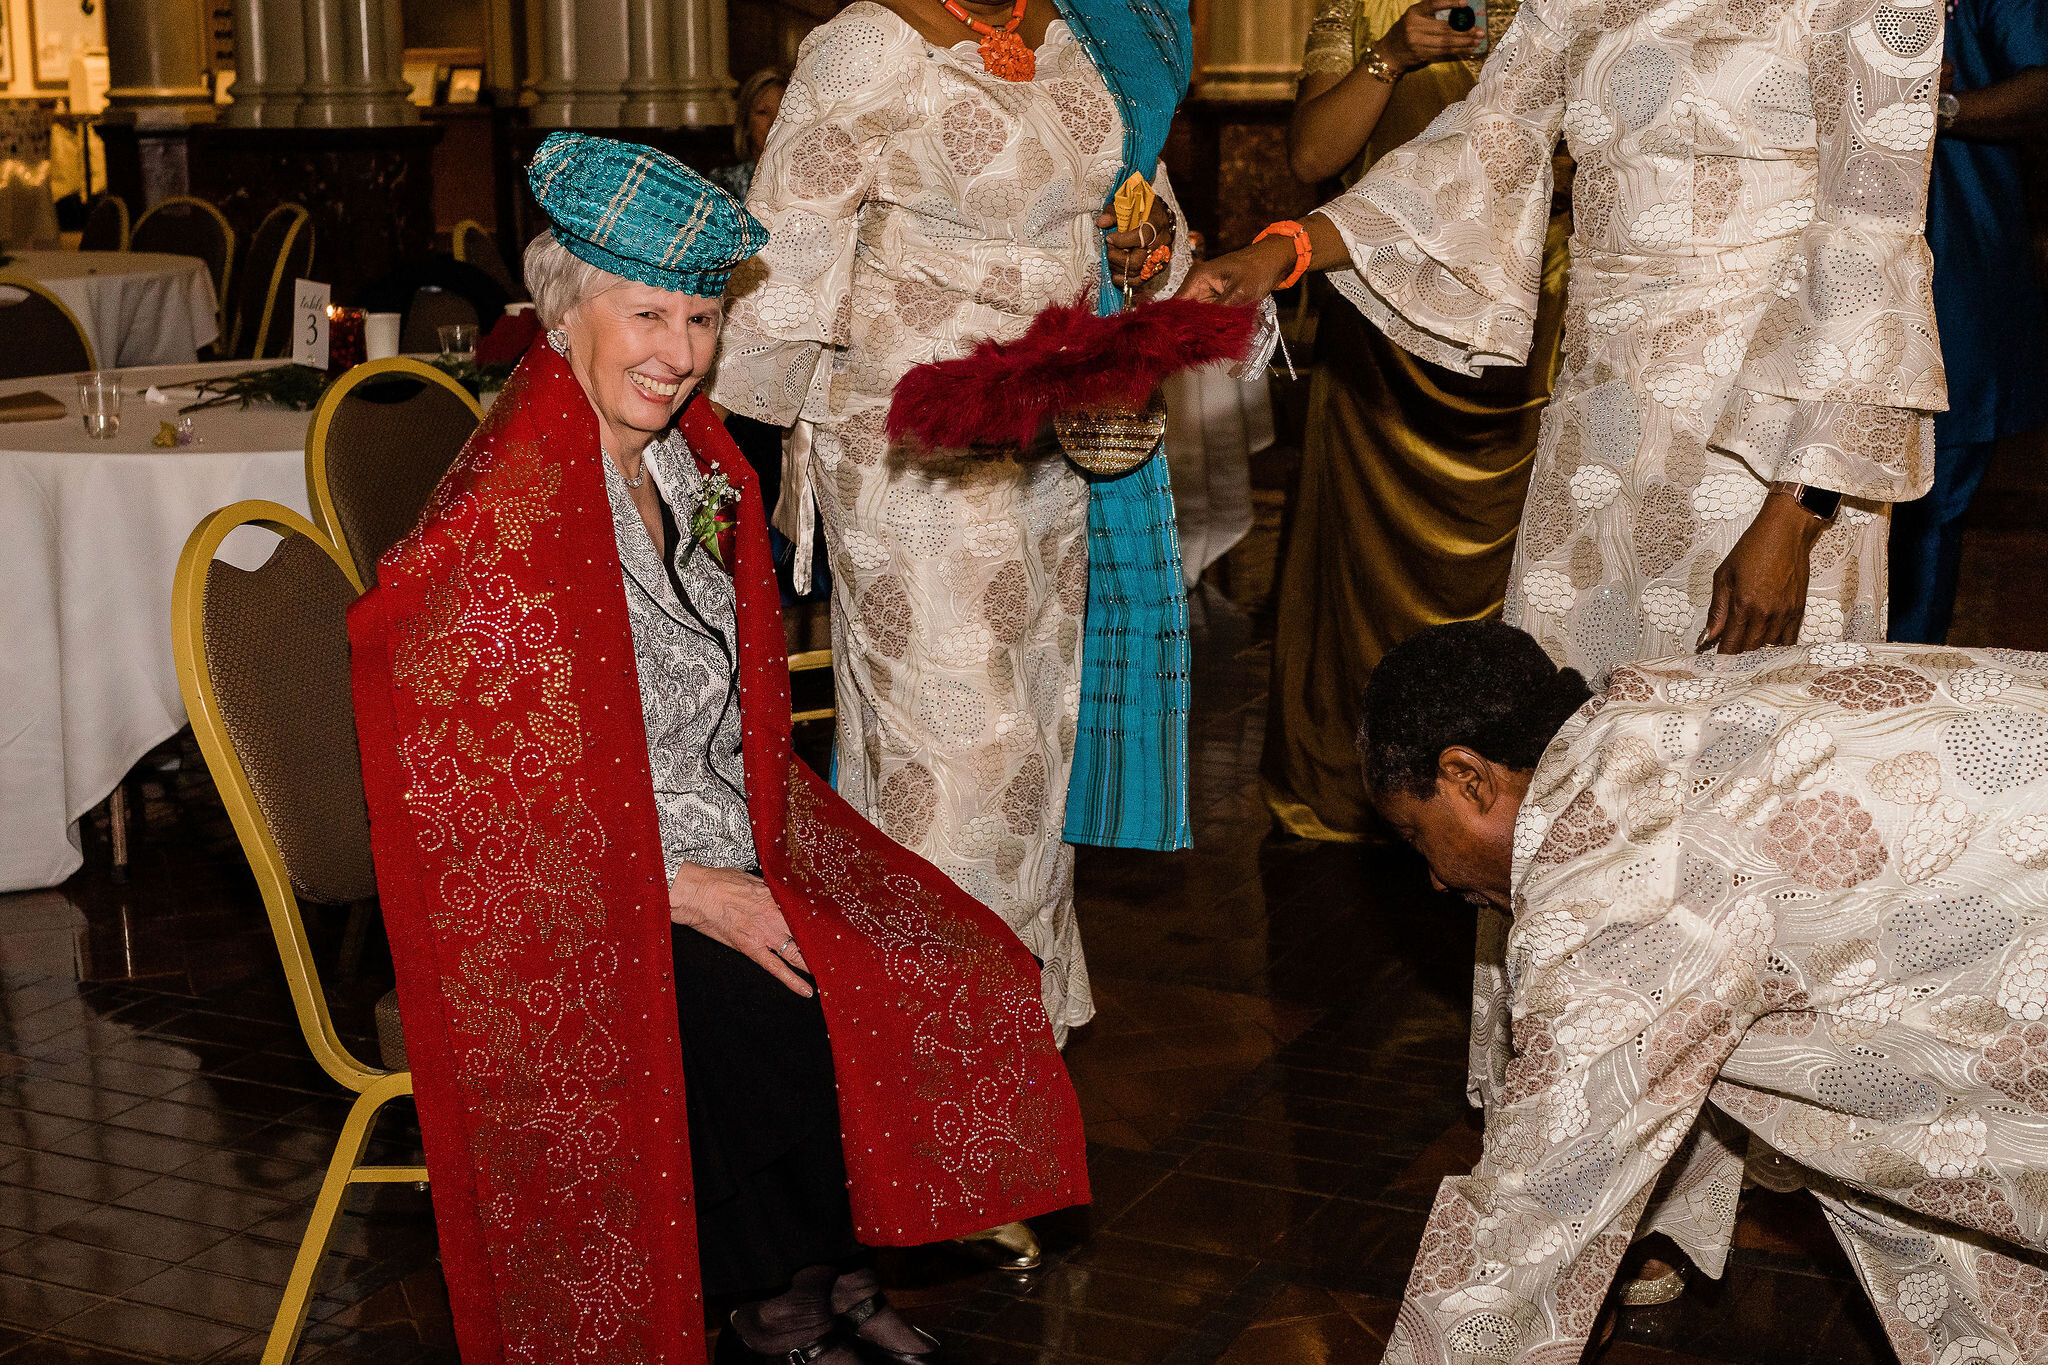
x: 641, y: 214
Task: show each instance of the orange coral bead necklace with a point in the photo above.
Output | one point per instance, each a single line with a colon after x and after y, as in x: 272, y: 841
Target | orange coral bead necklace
x: 1002, y: 52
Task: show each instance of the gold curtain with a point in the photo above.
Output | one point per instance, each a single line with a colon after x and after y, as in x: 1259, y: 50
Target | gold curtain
x: 1412, y: 481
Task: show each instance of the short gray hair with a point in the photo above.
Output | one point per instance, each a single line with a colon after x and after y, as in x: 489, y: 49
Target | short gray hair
x: 559, y: 280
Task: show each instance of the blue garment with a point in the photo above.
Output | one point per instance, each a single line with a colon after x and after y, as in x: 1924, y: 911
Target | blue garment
x: 1927, y: 544
x: 1129, y: 786
x: 1990, y: 307
x: 1988, y: 299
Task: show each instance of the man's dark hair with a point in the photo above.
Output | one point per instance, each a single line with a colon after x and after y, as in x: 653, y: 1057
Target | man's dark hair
x: 1480, y: 685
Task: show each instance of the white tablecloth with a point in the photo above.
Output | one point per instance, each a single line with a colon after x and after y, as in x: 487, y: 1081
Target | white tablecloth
x: 90, y: 533
x: 137, y: 307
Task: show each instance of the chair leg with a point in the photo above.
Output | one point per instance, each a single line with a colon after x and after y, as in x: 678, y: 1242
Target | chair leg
x: 117, y: 819
x: 348, y: 1151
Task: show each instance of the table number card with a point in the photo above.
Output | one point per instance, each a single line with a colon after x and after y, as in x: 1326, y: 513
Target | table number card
x: 309, y: 323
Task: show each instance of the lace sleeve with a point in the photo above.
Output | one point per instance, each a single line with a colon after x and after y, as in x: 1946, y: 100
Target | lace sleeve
x: 1330, y: 43
x: 1842, y: 378
x: 791, y: 304
x: 1446, y: 232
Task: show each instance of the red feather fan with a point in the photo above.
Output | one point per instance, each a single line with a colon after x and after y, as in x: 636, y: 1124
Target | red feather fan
x: 1069, y: 360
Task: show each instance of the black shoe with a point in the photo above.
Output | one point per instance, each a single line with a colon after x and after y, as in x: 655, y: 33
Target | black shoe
x: 733, y: 1351
x: 856, y: 1317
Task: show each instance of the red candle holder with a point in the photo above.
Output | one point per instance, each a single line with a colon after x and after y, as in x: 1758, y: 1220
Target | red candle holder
x: 346, y: 345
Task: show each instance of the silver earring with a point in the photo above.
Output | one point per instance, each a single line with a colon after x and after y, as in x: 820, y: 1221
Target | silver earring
x: 559, y: 339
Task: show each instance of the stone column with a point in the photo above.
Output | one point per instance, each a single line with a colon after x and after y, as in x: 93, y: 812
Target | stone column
x: 555, y: 90
x: 326, y: 99
x: 700, y: 59
x: 354, y: 65
x: 156, y: 57
x: 270, y: 64
x: 379, y: 98
x: 1253, y: 50
x: 397, y: 92
x: 503, y: 47
x: 653, y: 99
x: 600, y: 77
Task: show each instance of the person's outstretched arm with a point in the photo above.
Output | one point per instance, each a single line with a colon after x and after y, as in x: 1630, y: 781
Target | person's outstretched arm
x: 1441, y: 244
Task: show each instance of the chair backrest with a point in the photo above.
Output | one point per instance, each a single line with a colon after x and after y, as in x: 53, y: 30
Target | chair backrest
x: 263, y: 664
x: 185, y: 226
x: 810, y: 661
x: 382, y: 437
x: 38, y: 334
x: 429, y: 311
x: 472, y: 244
x: 280, y: 251
x: 106, y: 224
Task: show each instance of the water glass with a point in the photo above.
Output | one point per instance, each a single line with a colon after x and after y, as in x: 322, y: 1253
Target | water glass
x: 458, y: 339
x: 99, y: 404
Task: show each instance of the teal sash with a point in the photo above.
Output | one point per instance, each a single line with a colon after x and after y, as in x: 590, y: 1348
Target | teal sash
x: 1129, y: 787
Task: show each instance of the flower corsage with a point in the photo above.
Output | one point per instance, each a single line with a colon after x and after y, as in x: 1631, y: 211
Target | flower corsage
x: 708, y: 519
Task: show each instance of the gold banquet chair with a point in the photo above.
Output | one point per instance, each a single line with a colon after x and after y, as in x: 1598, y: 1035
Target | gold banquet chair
x: 185, y: 226
x: 262, y: 660
x: 472, y: 244
x: 38, y: 334
x: 381, y: 438
x: 810, y: 661
x: 281, y: 251
x: 106, y: 224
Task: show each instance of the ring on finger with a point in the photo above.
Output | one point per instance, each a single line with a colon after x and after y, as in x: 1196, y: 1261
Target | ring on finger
x: 786, y: 944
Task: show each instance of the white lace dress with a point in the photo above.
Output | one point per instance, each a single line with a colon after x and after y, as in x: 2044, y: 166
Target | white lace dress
x: 917, y: 205
x: 1748, y: 301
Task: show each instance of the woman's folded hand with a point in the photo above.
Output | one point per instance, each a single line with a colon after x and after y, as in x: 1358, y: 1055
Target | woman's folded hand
x: 737, y: 909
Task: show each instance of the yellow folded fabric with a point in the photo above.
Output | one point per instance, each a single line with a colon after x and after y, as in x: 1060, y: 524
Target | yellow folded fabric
x: 33, y: 406
x: 1133, y: 203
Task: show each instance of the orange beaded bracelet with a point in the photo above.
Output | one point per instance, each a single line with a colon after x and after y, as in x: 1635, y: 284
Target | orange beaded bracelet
x: 1302, y: 250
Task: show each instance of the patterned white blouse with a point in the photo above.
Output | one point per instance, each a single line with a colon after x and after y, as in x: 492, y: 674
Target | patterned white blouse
x: 1749, y: 297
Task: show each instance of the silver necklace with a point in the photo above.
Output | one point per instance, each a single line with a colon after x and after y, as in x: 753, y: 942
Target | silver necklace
x: 637, y: 479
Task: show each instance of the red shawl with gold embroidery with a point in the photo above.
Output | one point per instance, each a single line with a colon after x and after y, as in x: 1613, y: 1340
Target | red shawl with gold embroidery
x: 520, y: 866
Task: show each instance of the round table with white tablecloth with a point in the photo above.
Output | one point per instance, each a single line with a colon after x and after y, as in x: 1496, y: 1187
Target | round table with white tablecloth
x: 90, y: 533
x: 137, y: 307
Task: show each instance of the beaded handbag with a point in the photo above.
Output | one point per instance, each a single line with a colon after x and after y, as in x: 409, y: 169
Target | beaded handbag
x: 1095, y: 379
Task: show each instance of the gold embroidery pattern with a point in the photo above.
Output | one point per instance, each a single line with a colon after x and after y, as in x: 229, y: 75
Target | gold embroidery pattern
x: 944, y: 966
x: 501, y: 817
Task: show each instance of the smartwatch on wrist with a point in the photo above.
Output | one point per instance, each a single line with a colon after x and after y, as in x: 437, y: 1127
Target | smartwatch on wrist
x: 1821, y: 502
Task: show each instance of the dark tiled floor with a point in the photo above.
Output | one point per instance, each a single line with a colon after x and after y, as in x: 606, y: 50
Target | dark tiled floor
x: 1273, y: 1088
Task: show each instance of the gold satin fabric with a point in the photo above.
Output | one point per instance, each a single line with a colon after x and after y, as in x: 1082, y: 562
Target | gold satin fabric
x: 1412, y: 482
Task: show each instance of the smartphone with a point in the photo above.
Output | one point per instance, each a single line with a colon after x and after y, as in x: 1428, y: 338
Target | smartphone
x: 1465, y: 19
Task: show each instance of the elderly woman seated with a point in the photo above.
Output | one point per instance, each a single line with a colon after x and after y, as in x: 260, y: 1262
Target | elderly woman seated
x: 1795, y: 892
x: 680, y: 1020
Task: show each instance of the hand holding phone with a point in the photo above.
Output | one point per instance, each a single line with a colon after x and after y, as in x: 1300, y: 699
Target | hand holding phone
x: 1427, y: 34
x: 1467, y: 19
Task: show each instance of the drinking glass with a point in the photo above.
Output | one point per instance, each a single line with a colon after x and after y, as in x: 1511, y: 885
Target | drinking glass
x: 458, y: 339
x: 99, y: 404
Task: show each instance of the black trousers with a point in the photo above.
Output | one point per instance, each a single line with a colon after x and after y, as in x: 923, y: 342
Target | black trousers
x: 765, y: 1151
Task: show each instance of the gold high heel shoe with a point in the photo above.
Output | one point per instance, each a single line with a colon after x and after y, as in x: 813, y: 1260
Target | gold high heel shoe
x: 1013, y: 1246
x: 1644, y: 1291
